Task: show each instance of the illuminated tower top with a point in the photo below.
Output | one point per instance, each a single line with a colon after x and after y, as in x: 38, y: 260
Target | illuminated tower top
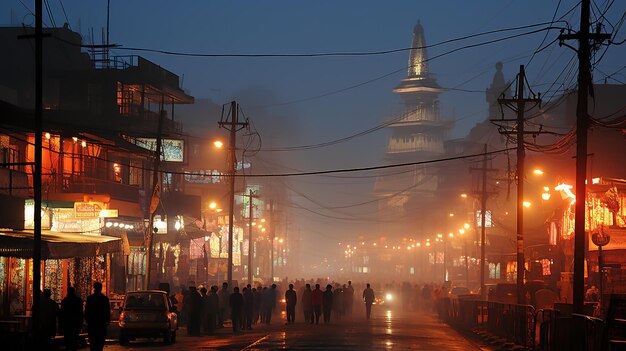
x: 418, y: 59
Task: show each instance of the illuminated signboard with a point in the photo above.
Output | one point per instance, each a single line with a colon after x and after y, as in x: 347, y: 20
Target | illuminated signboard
x: 88, y: 209
x: 204, y: 177
x: 488, y: 222
x: 173, y: 149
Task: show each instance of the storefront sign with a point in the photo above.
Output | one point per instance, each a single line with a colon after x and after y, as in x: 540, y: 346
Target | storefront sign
x: 88, y: 209
x: 108, y: 213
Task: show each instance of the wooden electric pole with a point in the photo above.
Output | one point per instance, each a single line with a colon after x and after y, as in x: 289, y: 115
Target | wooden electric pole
x: 518, y: 104
x: 483, y: 194
x: 233, y: 125
x: 584, y: 84
x: 252, y: 196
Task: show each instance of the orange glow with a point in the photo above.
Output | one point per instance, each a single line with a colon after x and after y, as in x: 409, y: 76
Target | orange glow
x: 567, y: 189
x: 538, y: 172
x: 218, y: 144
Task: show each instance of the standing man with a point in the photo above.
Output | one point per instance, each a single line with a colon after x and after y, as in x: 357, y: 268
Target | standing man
x: 236, y: 306
x: 48, y: 317
x: 368, y: 297
x: 328, y: 303
x: 194, y: 305
x: 269, y: 303
x: 307, y: 304
x: 291, y: 300
x: 213, y: 307
x: 98, y: 316
x: 71, y: 319
x: 224, y: 296
x: 348, y: 294
x: 317, y: 299
x: 248, y: 306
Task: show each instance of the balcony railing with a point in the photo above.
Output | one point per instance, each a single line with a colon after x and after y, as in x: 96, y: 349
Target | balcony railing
x: 80, y: 184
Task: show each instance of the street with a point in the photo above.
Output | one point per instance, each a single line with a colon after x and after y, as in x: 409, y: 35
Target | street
x: 387, y: 330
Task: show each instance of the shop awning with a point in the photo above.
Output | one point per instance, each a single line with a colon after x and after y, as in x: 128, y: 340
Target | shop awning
x: 56, y: 245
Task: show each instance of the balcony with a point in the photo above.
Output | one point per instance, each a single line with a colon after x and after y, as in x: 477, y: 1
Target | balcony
x: 87, y: 185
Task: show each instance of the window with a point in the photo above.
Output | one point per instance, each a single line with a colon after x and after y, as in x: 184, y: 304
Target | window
x: 136, y: 173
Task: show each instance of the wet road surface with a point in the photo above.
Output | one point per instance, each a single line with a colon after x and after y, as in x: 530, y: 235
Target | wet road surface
x: 387, y: 330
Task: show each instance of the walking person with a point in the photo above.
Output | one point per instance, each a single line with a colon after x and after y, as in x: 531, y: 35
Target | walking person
x: 317, y: 299
x: 224, y: 296
x: 269, y: 303
x: 348, y: 295
x: 48, y: 316
x: 257, y: 304
x: 71, y: 319
x: 195, y: 312
x: 307, y: 304
x: 327, y: 303
x: 338, y: 302
x: 204, y: 310
x: 236, y: 306
x: 291, y: 299
x: 248, y: 307
x: 98, y: 316
x: 368, y: 297
x: 212, y: 308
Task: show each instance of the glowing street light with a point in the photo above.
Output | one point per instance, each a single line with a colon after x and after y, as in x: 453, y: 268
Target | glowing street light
x: 218, y: 144
x: 538, y: 172
x: 466, y: 226
x: 464, y: 195
x: 526, y: 204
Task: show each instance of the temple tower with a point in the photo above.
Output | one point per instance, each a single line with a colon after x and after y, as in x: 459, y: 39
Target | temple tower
x: 418, y: 134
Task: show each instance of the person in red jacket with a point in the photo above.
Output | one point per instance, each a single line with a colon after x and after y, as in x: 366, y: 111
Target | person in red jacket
x: 317, y: 298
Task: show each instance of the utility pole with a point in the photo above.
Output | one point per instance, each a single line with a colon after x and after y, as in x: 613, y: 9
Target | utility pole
x: 233, y: 125
x: 154, y: 200
x: 272, y: 237
x: 518, y: 104
x: 584, y: 84
x: 252, y: 196
x: 483, y: 194
x: 37, y: 172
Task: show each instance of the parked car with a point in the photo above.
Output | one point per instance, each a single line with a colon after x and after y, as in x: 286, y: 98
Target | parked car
x: 148, y: 314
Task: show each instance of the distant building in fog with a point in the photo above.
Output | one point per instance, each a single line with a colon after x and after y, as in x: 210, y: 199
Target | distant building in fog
x: 418, y: 134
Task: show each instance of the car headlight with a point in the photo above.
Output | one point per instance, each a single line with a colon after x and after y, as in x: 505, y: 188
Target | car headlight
x: 388, y: 297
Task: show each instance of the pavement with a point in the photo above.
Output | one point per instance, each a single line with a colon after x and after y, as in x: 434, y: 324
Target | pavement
x: 386, y: 330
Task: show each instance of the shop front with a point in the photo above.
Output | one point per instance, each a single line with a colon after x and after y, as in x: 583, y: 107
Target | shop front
x: 68, y: 259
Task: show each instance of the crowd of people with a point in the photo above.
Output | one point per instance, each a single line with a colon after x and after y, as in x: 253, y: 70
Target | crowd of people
x: 206, y: 309
x: 70, y: 316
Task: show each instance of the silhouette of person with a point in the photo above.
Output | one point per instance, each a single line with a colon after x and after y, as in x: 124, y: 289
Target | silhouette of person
x: 291, y: 299
x: 223, y: 295
x: 195, y: 312
x: 317, y: 299
x: 348, y: 296
x: 328, y: 303
x: 236, y: 306
x: 307, y: 304
x: 49, y: 314
x: 248, y: 306
x: 71, y: 319
x: 98, y: 316
x: 368, y: 297
x: 212, y: 310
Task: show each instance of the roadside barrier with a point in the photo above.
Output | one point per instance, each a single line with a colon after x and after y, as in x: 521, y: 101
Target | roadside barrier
x: 513, y: 326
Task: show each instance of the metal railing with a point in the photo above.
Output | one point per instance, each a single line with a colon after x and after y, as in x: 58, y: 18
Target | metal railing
x: 522, y: 325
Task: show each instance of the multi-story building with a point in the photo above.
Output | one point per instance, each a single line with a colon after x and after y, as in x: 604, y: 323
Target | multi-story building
x: 101, y: 121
